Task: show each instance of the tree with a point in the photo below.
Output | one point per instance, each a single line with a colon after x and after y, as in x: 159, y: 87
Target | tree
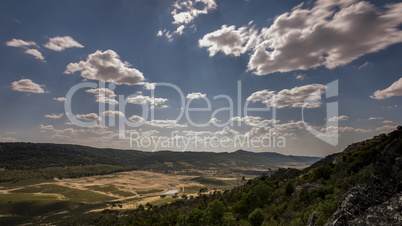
x: 256, y: 217
x: 215, y: 211
x: 289, y: 189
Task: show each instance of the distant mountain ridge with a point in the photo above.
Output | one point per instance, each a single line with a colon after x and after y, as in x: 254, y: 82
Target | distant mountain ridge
x: 17, y: 156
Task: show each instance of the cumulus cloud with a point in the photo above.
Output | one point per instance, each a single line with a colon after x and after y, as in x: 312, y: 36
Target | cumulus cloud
x: 229, y: 40
x: 54, y: 115
x: 106, y: 66
x: 35, y: 53
x: 387, y: 122
x: 184, y: 12
x: 343, y: 129
x: 149, y: 85
x: 195, y: 95
x: 292, y: 98
x: 20, y: 43
x: 60, y: 99
x: 113, y: 113
x: 88, y: 117
x: 338, y: 118
x: 136, y: 118
x: 165, y: 124
x: 394, y: 90
x: 103, y: 95
x: 61, y: 43
x: 140, y: 99
x: 214, y: 121
x: 385, y: 129
x: 330, y: 34
x: 254, y: 120
x: 27, y: 85
x: 25, y: 45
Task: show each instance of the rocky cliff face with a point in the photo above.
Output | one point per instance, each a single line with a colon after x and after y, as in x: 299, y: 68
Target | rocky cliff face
x: 386, y: 213
x: 378, y: 202
x: 360, y: 206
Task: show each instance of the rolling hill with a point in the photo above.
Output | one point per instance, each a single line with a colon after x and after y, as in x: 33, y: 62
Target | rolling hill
x: 63, y: 160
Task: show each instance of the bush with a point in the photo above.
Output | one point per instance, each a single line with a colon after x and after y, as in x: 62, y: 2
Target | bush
x: 256, y: 217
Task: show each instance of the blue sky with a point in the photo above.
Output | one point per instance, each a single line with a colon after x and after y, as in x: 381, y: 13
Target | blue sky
x: 205, y: 48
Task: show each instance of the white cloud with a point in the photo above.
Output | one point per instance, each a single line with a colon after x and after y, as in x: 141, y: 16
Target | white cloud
x: 20, y: 43
x: 45, y: 127
x: 103, y: 95
x: 179, y: 30
x: 25, y: 45
x: 98, y: 129
x: 149, y: 85
x: 330, y: 34
x: 136, y: 118
x: 185, y: 11
x: 214, y: 121
x: 293, y: 98
x: 229, y: 40
x: 35, y: 53
x: 358, y: 130
x: 165, y: 124
x: 300, y: 76
x: 60, y: 99
x: 394, y: 90
x: 54, y: 115
x: 344, y: 129
x: 88, y: 117
x: 375, y: 118
x: 387, y: 122
x: 113, y: 113
x: 253, y: 120
x: 364, y: 65
x: 27, y: 85
x: 195, y: 95
x: 385, y: 129
x: 165, y: 33
x: 8, y: 139
x: 106, y: 66
x: 140, y: 99
x: 61, y: 43
x: 338, y: 118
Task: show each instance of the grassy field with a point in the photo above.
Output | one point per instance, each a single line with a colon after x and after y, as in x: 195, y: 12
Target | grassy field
x: 79, y: 200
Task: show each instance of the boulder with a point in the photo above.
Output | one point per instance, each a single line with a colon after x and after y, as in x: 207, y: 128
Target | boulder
x: 308, y: 186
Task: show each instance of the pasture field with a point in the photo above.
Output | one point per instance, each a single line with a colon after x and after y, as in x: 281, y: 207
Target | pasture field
x: 79, y: 200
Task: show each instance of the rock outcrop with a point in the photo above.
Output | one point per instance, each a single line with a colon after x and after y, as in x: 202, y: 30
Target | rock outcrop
x: 387, y: 213
x: 308, y: 186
